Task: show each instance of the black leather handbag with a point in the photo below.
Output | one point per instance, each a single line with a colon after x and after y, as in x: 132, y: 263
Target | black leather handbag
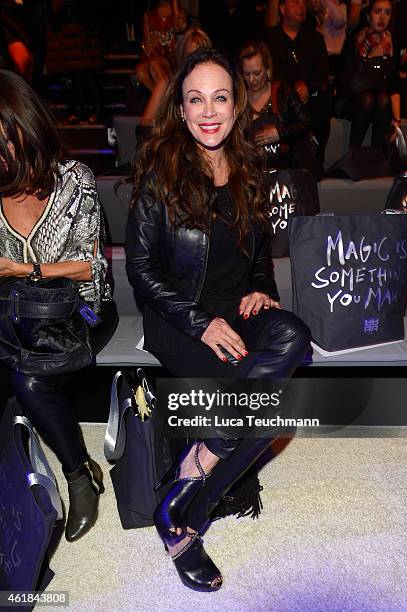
x: 362, y: 74
x: 44, y: 326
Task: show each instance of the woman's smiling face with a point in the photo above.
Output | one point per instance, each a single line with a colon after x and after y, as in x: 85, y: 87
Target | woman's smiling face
x: 208, y: 105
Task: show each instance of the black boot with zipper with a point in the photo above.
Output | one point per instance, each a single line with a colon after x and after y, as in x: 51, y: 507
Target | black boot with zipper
x: 85, y: 485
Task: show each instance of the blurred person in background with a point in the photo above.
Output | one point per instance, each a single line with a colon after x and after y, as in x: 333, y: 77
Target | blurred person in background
x: 230, y: 23
x: 300, y: 57
x: 380, y: 108
x: 75, y: 50
x: 194, y: 38
x: 331, y: 21
x: 14, y: 21
x: 163, y: 23
x: 279, y: 122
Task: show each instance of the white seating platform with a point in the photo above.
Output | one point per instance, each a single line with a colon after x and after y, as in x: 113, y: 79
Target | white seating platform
x: 122, y: 351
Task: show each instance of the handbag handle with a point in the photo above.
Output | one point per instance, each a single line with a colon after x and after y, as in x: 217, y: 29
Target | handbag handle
x: 115, y: 437
x: 401, y: 143
x: 43, y: 475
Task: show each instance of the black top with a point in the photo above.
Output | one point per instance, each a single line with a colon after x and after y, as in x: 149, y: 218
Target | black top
x: 303, y: 59
x: 226, y: 280
x: 228, y: 268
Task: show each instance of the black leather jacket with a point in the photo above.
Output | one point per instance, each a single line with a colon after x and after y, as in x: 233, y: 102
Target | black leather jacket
x: 290, y: 119
x: 166, y: 267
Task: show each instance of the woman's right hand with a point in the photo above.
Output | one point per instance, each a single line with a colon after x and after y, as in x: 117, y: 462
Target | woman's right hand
x: 267, y: 135
x: 220, y: 333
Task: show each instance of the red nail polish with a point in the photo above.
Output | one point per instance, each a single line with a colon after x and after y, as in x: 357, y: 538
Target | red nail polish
x: 224, y: 359
x: 240, y: 357
x: 245, y: 353
x: 245, y: 316
x: 254, y: 312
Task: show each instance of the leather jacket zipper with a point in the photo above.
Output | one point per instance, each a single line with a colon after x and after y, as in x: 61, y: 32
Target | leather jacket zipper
x: 252, y: 255
x: 197, y: 297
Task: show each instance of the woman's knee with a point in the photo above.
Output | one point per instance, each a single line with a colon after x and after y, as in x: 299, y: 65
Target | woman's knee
x: 365, y: 100
x: 383, y: 101
x: 290, y: 328
x: 291, y: 323
x: 26, y: 387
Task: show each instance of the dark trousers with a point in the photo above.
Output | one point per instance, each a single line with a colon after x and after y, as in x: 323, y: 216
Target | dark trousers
x: 276, y: 341
x: 319, y: 109
x: 369, y: 108
x: 45, y: 402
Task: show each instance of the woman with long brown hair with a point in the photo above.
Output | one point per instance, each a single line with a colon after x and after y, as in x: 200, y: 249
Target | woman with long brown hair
x: 50, y: 228
x: 198, y: 259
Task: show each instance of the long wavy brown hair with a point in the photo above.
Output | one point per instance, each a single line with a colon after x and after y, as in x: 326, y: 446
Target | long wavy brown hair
x: 26, y: 123
x: 173, y: 169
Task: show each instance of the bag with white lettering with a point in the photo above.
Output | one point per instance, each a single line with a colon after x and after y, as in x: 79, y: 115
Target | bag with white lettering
x: 349, y: 277
x: 29, y: 507
x: 292, y: 193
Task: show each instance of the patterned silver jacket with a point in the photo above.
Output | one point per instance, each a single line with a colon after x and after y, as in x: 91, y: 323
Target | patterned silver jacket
x: 70, y: 228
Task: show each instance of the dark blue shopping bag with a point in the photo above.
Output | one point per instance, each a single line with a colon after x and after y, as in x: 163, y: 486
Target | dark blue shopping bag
x: 139, y: 449
x: 349, y: 277
x: 292, y: 193
x: 29, y: 505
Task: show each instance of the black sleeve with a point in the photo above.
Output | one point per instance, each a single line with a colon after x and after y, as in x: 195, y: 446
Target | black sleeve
x: 296, y: 122
x: 283, y: 63
x: 318, y: 70
x: 145, y: 274
x: 262, y: 276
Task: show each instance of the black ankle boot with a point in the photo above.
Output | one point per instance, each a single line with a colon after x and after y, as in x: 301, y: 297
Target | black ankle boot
x: 195, y: 567
x: 170, y: 513
x: 84, y: 487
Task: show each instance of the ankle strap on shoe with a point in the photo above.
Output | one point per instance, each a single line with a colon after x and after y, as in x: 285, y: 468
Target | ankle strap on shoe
x: 82, y: 470
x: 197, y: 462
x: 193, y: 537
x: 86, y: 469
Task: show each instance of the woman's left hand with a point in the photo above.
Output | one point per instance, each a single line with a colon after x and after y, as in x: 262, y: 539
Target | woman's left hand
x: 267, y: 135
x: 253, y: 302
x: 8, y: 267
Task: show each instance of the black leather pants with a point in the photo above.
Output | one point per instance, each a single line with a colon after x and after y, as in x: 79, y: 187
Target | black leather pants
x: 276, y: 341
x: 45, y: 403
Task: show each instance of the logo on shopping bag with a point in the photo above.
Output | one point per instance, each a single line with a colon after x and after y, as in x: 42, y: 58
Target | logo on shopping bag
x: 362, y: 272
x: 370, y: 326
x: 283, y: 204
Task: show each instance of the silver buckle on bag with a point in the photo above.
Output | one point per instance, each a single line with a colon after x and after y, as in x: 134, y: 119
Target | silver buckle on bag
x: 14, y: 313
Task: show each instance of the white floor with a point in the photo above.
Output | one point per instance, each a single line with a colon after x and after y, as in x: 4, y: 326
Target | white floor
x: 332, y: 537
